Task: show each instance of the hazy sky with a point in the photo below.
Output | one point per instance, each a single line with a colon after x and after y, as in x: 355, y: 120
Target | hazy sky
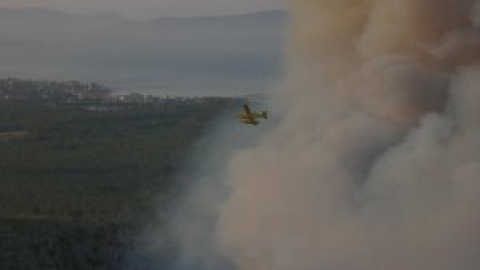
x: 145, y: 9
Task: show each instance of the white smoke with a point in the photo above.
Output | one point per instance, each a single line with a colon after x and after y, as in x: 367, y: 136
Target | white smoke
x: 375, y: 160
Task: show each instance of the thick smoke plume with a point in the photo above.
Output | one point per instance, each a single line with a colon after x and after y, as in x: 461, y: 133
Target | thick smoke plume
x: 374, y: 160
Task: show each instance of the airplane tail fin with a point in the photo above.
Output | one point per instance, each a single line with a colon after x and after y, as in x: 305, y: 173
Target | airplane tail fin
x: 264, y: 114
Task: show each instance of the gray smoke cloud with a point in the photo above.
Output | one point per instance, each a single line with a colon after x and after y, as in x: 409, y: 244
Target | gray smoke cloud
x: 374, y: 160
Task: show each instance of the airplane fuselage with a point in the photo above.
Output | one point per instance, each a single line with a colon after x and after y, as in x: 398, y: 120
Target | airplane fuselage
x: 250, y: 117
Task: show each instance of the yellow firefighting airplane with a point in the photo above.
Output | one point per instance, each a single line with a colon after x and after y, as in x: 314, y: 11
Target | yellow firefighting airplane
x: 250, y: 117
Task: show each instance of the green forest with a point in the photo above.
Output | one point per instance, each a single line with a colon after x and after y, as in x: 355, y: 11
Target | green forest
x: 74, y: 182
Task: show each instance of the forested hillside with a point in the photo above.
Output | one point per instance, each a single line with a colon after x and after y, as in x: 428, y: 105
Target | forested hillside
x: 74, y: 182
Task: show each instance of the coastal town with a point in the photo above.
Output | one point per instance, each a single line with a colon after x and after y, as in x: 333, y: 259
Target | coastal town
x: 22, y: 97
x: 13, y: 90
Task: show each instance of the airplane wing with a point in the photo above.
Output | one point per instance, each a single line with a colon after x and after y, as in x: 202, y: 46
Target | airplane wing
x: 248, y: 117
x: 247, y: 110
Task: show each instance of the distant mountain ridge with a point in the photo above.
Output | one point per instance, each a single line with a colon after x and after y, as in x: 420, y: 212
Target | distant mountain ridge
x: 45, y: 13
x: 32, y: 12
x: 270, y: 15
x: 49, y: 15
x: 212, y: 54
